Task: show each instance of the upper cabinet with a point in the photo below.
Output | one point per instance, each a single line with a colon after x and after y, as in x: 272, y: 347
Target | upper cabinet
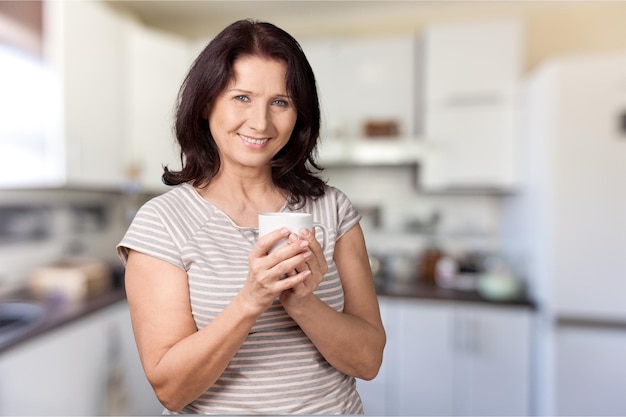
x: 83, y: 44
x: 365, y: 80
x: 156, y: 65
x: 118, y: 87
x: 472, y: 74
x: 473, y: 63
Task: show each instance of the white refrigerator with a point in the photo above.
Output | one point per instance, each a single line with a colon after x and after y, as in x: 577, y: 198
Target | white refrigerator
x: 567, y: 227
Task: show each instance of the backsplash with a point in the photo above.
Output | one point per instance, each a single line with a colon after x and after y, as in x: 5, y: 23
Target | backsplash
x: 38, y: 227
x: 408, y: 219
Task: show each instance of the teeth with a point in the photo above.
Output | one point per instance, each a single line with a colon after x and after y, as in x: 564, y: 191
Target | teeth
x: 254, y: 141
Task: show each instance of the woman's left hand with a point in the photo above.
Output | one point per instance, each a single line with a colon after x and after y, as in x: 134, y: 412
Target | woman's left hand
x: 315, y: 263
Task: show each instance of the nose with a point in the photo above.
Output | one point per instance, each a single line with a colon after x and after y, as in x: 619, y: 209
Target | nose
x: 259, y: 117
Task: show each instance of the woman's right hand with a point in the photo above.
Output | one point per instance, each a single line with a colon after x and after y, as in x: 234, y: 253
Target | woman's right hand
x: 269, y: 274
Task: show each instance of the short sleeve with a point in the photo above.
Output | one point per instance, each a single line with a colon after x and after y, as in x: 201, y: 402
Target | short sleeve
x: 347, y: 215
x: 149, y: 233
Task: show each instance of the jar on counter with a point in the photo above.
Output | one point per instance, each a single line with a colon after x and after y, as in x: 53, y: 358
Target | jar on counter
x: 427, y: 265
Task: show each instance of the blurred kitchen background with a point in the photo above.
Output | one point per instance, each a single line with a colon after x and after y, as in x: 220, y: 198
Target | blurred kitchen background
x: 483, y: 142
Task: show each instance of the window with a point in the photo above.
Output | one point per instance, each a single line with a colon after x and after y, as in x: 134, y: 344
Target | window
x: 30, y: 147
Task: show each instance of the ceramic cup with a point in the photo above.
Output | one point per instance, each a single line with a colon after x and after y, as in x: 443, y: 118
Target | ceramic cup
x: 268, y: 222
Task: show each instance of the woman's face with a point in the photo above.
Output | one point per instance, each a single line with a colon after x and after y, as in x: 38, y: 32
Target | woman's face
x: 252, y: 119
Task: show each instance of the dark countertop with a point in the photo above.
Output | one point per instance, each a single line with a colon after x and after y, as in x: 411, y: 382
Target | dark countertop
x: 427, y: 290
x: 57, y: 313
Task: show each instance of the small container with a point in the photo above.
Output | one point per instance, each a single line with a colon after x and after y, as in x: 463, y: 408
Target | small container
x: 446, y: 272
x: 427, y: 268
x: 399, y: 268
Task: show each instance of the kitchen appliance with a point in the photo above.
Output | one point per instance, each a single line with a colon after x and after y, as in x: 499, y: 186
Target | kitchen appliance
x: 567, y: 226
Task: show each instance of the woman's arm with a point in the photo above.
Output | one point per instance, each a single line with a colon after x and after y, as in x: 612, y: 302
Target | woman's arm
x: 180, y: 361
x: 351, y: 341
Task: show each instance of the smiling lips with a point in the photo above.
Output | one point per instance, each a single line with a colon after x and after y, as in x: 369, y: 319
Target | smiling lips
x: 253, y: 141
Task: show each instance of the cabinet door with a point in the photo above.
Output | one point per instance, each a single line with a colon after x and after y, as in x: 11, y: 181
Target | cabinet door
x: 89, y: 367
x: 364, y: 78
x: 419, y: 352
x: 472, y: 74
x: 472, y: 61
x: 157, y: 64
x: 472, y: 147
x: 84, y: 44
x: 492, y: 360
x: 61, y: 373
x: 590, y: 373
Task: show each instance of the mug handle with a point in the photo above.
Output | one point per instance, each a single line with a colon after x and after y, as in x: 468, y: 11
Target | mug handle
x: 324, y: 234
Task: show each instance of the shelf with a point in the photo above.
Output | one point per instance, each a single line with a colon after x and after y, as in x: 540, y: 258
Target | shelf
x: 371, y: 151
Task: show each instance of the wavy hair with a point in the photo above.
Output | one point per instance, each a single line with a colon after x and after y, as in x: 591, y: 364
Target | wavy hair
x: 294, y: 168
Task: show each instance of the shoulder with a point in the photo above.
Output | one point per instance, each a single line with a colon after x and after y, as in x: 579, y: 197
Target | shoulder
x: 337, y: 199
x: 181, y: 207
x: 334, y: 194
x: 334, y: 209
x: 178, y: 200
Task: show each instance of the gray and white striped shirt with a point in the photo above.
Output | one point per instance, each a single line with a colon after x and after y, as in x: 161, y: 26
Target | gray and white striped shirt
x: 277, y: 370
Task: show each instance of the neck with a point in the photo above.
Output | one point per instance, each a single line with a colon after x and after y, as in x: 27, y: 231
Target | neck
x: 242, y: 198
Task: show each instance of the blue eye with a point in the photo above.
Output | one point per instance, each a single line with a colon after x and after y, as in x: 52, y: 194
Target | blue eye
x: 282, y: 103
x: 242, y: 98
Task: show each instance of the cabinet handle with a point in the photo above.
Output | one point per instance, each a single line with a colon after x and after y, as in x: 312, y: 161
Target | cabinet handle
x: 477, y: 99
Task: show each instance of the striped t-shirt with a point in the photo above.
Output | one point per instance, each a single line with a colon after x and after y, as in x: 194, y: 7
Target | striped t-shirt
x: 277, y: 369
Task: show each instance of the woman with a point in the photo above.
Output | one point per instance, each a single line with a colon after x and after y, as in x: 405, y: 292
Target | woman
x: 223, y: 327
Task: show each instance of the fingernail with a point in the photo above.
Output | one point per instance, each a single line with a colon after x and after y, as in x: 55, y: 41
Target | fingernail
x: 305, y: 232
x: 284, y: 231
x: 304, y: 243
x: 307, y: 255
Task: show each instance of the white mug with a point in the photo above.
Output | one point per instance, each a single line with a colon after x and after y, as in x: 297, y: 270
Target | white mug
x: 268, y: 222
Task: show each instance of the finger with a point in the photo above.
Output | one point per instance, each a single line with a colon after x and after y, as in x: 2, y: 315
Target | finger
x: 265, y: 243
x: 288, y: 265
x: 314, y: 246
x: 292, y: 281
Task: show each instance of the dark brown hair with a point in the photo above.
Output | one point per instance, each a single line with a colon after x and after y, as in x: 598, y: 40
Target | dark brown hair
x: 292, y: 167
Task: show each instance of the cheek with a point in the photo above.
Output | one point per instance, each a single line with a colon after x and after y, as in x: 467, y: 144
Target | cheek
x: 288, y: 123
x: 221, y: 121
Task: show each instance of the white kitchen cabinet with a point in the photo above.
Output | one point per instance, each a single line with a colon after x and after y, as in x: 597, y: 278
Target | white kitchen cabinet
x: 421, y: 360
x: 471, y: 80
x: 157, y: 64
x: 363, y: 78
x: 83, y: 44
x: 70, y: 371
x: 590, y: 373
x: 447, y: 358
x: 118, y: 81
x: 467, y: 63
x: 473, y: 147
x: 492, y: 360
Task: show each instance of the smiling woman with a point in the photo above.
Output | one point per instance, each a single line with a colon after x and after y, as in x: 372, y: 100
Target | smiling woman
x: 222, y: 325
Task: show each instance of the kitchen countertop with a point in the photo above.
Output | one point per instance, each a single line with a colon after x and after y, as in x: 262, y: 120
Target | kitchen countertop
x: 57, y: 313
x: 427, y: 290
